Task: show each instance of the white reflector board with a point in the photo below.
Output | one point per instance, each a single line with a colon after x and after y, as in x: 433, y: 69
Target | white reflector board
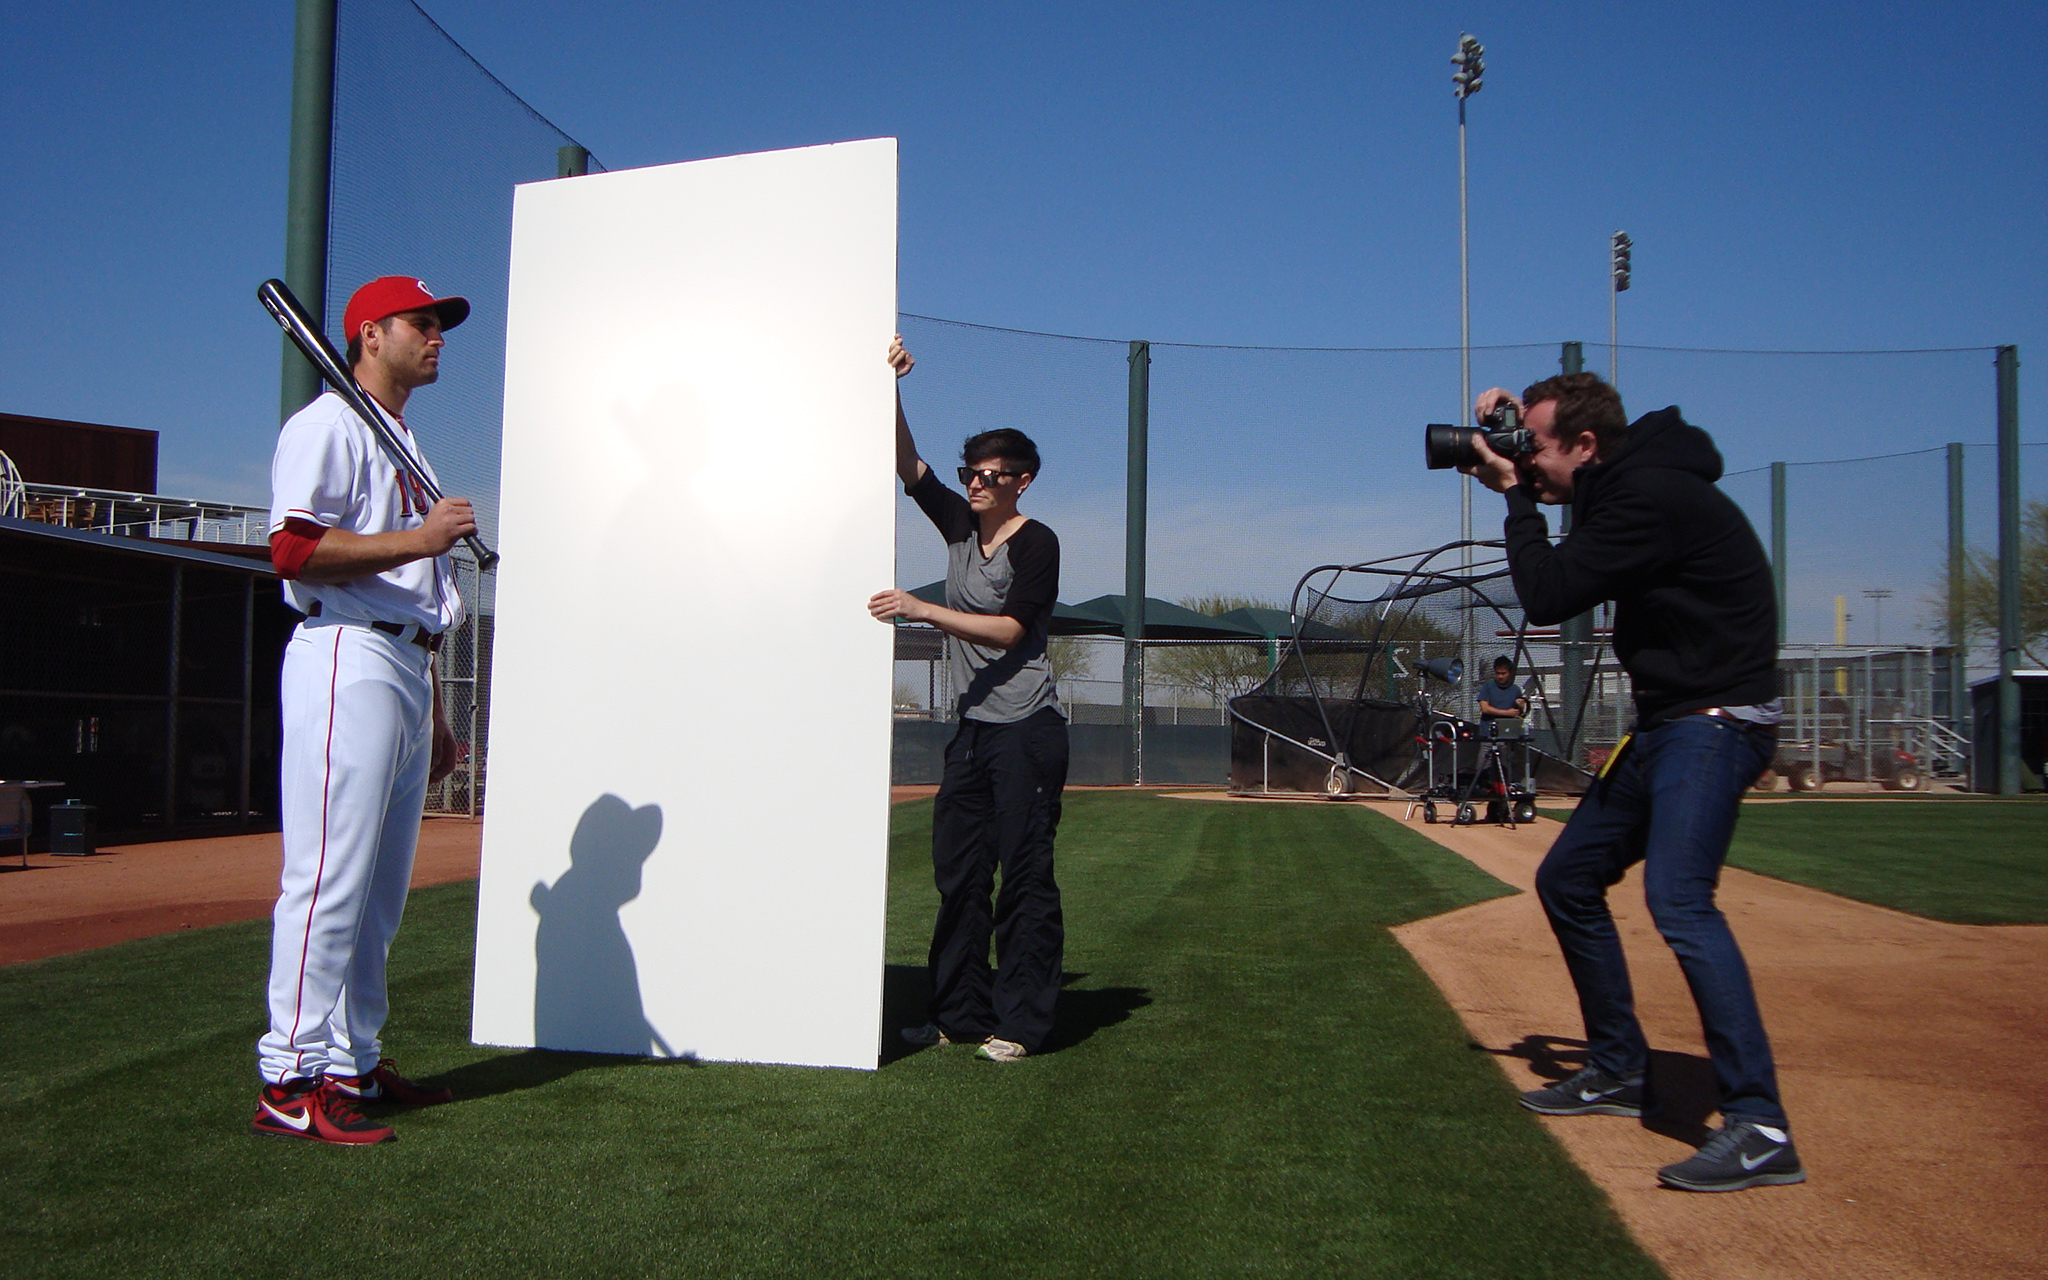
x: 686, y: 821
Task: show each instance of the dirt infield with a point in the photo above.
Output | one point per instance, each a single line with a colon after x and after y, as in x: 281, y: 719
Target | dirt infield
x: 1913, y: 1055
x: 60, y: 905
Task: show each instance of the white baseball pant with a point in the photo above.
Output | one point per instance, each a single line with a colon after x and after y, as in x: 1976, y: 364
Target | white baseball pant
x: 358, y: 741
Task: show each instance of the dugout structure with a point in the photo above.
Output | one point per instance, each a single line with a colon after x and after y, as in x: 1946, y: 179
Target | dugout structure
x: 1349, y: 717
x: 143, y: 676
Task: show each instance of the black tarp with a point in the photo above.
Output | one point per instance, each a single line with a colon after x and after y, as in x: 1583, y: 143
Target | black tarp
x: 1268, y: 734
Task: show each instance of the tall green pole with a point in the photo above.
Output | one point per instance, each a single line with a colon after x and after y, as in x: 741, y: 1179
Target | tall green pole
x: 1139, y: 421
x: 572, y: 161
x: 312, y: 164
x: 1958, y: 622
x: 2008, y: 364
x: 1575, y: 634
x: 1778, y: 543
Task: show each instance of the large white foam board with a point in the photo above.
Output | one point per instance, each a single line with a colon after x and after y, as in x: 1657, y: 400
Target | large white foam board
x: 686, y: 823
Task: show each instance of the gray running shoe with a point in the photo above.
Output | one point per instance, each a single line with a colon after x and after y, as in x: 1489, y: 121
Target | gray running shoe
x: 928, y: 1034
x: 1588, y: 1092
x: 1000, y: 1050
x: 1743, y: 1154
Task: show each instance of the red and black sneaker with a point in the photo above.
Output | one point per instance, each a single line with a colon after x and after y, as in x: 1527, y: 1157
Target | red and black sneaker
x: 307, y: 1108
x: 386, y: 1085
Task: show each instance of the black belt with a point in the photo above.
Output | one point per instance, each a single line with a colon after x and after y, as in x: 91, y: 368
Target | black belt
x: 430, y: 641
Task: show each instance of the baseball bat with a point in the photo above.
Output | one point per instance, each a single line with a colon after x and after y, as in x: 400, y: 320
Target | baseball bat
x: 278, y: 300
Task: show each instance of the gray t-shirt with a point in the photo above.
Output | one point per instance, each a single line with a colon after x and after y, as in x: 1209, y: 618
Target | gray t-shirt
x: 1501, y: 697
x: 1020, y: 580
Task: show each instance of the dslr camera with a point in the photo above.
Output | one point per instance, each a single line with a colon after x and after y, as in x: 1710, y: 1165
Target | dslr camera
x: 1445, y: 446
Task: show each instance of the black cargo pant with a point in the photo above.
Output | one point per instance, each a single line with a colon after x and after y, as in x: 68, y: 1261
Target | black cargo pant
x: 999, y: 806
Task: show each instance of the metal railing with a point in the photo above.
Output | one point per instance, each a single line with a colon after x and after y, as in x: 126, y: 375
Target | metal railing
x: 141, y: 515
x: 1850, y: 711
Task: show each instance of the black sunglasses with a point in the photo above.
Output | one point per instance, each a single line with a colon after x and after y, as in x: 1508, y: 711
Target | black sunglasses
x: 987, y: 475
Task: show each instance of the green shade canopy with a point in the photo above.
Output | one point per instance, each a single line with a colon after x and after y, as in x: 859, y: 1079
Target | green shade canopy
x: 1278, y: 624
x: 1164, y: 621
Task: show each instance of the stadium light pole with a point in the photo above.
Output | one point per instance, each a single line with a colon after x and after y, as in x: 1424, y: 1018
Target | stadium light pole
x: 1620, y: 249
x: 1465, y: 82
x: 1878, y: 595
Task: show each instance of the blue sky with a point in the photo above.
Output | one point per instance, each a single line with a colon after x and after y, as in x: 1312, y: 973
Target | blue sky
x: 1819, y: 176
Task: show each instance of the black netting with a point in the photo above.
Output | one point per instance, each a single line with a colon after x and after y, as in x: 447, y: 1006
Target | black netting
x: 428, y: 146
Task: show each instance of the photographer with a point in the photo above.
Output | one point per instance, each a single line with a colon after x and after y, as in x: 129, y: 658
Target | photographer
x: 1502, y: 704
x: 1695, y: 626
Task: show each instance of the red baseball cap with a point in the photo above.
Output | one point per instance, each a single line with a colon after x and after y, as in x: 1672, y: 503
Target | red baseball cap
x: 389, y: 295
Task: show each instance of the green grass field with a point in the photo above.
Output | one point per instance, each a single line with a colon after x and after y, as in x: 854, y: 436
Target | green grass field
x: 1969, y: 862
x: 1963, y: 861
x: 1254, y: 1079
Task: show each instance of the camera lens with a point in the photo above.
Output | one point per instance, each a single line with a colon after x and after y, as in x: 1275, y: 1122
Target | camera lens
x: 1445, y: 446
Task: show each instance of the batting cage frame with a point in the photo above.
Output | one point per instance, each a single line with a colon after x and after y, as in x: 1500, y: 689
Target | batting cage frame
x: 1341, y: 706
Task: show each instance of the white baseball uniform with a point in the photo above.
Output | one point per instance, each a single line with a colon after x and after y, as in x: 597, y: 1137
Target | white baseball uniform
x: 358, y: 743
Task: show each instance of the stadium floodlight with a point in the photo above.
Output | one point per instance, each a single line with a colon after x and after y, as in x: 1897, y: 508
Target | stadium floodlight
x: 1621, y: 250
x: 1471, y: 70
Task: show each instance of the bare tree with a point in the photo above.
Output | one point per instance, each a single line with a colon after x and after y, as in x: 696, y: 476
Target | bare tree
x: 1068, y: 658
x: 1219, y: 671
x: 1976, y: 593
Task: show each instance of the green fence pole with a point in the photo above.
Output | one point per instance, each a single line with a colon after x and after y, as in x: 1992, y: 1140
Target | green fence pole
x: 572, y: 161
x: 312, y: 165
x: 1958, y: 622
x: 1778, y: 543
x: 1139, y: 421
x: 1575, y: 634
x: 2008, y: 364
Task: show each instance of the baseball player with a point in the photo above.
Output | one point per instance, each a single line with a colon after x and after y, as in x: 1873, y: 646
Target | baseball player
x: 365, y: 558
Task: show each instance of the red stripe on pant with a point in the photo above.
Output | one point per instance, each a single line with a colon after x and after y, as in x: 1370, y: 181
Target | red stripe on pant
x: 320, y: 869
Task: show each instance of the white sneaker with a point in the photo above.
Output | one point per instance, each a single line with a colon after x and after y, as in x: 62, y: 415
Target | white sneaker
x: 928, y: 1034
x: 1000, y: 1050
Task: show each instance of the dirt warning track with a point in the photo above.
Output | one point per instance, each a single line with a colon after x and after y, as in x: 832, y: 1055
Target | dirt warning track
x: 60, y: 905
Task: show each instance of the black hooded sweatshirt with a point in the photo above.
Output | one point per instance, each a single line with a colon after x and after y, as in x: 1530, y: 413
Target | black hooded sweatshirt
x: 1696, y: 619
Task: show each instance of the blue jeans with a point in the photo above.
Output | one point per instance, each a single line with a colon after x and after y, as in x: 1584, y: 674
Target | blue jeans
x: 1670, y: 803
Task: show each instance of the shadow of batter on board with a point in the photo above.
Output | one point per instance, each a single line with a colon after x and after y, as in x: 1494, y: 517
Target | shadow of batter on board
x: 586, y: 989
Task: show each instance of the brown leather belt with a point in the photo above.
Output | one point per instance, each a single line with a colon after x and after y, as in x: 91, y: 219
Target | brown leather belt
x: 430, y: 641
